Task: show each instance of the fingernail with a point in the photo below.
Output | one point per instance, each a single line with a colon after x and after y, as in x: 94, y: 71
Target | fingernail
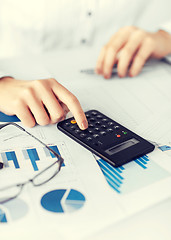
x: 84, y: 125
x: 106, y: 76
x: 97, y: 71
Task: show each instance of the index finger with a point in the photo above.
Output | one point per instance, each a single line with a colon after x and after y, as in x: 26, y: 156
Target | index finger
x: 72, y: 103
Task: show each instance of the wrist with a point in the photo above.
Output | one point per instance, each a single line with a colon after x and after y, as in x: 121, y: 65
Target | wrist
x: 165, y: 39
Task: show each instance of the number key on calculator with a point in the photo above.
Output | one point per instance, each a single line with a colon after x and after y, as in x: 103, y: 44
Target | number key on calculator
x: 107, y: 139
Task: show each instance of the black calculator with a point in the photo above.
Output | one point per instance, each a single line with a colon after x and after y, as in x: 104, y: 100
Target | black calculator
x: 107, y: 139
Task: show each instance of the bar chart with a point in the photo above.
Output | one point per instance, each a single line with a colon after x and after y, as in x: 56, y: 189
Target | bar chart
x: 132, y: 176
x: 30, y: 157
x: 10, y: 156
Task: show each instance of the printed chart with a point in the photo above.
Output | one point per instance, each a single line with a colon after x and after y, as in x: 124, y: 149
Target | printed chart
x: 63, y: 200
x: 13, y: 210
x: 6, y: 118
x: 132, y: 176
x: 32, y: 157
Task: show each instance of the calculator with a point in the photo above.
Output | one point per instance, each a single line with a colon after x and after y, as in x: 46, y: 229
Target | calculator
x: 107, y: 138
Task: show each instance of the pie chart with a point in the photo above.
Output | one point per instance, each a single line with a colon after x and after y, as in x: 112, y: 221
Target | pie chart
x: 13, y: 210
x: 63, y: 200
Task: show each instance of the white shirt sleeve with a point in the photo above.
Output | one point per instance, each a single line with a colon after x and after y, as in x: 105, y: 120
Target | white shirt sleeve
x: 166, y: 27
x: 3, y: 74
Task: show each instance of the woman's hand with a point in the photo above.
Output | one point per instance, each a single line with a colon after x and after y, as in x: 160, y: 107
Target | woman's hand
x: 130, y: 48
x: 40, y: 101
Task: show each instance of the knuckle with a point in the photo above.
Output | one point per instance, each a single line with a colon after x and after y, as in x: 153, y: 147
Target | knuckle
x: 139, y: 33
x: 73, y: 99
x: 17, y: 103
x: 129, y: 28
x: 128, y: 50
x: 27, y: 92
x: 52, y: 81
x: 44, y: 121
x: 113, y: 47
x: 39, y: 83
x: 149, y: 41
x: 57, y: 118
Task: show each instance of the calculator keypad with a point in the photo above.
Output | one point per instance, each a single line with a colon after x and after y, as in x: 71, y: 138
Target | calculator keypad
x: 106, y: 138
x: 102, y: 131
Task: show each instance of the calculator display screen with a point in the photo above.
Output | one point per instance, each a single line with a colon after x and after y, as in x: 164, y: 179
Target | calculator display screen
x: 124, y: 145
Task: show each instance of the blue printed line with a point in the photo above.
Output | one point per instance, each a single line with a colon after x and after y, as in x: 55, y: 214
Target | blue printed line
x: 118, y: 170
x: 108, y: 172
x: 113, y: 184
x: 145, y: 158
x: 33, y: 158
x: 140, y: 164
x: 110, y: 168
x: 122, y: 168
x: 142, y: 160
x: 11, y: 156
x: 112, y: 178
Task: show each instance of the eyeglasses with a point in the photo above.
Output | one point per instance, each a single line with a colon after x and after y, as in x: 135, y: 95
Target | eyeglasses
x: 13, y: 191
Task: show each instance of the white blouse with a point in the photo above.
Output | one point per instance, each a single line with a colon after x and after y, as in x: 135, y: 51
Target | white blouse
x: 36, y: 26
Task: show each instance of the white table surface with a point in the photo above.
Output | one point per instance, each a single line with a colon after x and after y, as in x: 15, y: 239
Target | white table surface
x: 153, y: 223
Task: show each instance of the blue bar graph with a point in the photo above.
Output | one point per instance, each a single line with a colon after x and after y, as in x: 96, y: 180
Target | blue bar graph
x: 112, y: 175
x: 50, y: 154
x: 121, y: 178
x: 10, y: 156
x: 33, y: 156
x: 142, y: 161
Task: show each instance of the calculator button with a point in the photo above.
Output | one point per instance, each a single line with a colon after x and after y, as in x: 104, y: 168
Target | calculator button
x: 96, y: 136
x: 109, y: 130
x: 89, y: 139
x: 124, y: 132
x: 97, y: 129
x: 116, y: 127
x: 104, y: 120
x: 72, y: 127
x: 83, y: 135
x: 118, y: 135
x: 98, y: 143
x: 111, y: 123
x: 87, y: 115
x: 97, y: 123
x: 94, y: 113
x: 99, y: 116
x: 91, y: 125
x: 103, y: 133
x: 92, y: 120
x: 77, y: 131
x: 67, y: 124
x: 90, y: 131
x: 103, y: 126
x: 73, y: 121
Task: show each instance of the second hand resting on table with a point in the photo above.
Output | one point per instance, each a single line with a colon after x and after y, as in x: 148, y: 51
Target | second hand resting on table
x: 40, y: 101
x: 47, y: 101
x: 130, y: 48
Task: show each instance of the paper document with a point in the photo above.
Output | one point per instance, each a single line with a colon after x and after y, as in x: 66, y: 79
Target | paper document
x: 71, y: 200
